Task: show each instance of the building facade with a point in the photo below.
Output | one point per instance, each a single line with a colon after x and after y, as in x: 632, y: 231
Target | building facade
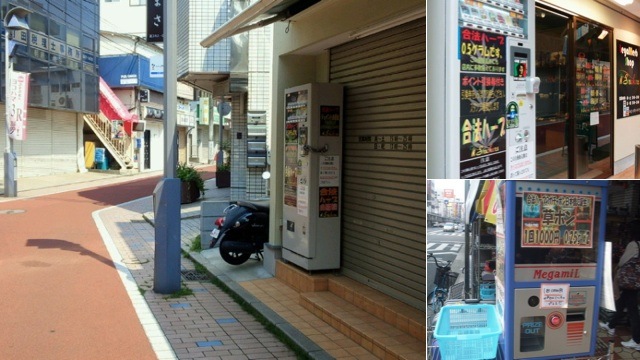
x: 236, y: 71
x: 60, y: 51
x: 133, y: 68
x: 376, y: 50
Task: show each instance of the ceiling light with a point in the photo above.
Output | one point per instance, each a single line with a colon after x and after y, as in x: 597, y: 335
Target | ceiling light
x: 603, y: 34
x: 624, y: 2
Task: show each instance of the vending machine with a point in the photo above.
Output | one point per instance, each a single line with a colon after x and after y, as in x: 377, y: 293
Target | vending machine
x: 481, y: 90
x: 549, y: 266
x: 312, y: 176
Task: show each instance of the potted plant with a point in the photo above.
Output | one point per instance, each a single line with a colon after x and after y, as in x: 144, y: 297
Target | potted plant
x: 192, y: 184
x: 223, y: 171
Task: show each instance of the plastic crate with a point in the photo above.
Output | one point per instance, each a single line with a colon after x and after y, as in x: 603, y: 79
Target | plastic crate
x: 487, y: 291
x: 468, y: 332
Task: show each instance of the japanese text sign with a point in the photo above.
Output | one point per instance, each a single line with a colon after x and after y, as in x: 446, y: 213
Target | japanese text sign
x: 557, y: 220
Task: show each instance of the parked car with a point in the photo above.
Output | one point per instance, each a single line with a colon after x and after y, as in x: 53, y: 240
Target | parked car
x: 456, y: 226
x: 448, y: 227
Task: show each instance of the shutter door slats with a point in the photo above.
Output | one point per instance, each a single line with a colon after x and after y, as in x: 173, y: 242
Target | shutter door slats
x: 51, y: 144
x: 384, y: 160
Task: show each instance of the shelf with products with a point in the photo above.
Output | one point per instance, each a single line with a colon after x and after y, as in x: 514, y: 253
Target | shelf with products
x: 506, y: 17
x: 593, y: 85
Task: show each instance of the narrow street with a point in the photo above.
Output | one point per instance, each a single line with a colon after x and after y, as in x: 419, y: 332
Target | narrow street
x: 62, y: 296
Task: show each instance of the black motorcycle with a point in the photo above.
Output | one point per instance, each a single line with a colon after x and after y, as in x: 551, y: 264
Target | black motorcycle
x: 242, y: 231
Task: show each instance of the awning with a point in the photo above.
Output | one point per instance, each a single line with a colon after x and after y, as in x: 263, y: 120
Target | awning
x: 261, y: 13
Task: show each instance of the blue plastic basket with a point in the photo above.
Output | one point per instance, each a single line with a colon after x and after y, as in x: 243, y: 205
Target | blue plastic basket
x: 468, y: 332
x: 487, y: 291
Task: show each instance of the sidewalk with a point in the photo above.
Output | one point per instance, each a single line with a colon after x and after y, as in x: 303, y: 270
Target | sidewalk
x: 207, y: 321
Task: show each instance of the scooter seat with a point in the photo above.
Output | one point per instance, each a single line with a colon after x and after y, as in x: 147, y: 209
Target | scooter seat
x: 261, y: 205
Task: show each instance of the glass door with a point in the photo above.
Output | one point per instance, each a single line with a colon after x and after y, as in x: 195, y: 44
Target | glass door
x: 552, y: 102
x: 591, y: 129
x: 573, y: 107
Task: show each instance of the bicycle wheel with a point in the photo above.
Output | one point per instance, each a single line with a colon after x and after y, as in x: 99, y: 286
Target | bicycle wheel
x: 438, y: 301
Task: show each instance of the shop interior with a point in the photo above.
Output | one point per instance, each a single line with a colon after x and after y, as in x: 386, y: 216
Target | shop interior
x: 573, y: 107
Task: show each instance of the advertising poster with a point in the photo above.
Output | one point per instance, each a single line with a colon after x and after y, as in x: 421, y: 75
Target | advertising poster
x: 483, y: 71
x: 628, y: 79
x: 483, y: 138
x: 482, y: 51
x: 291, y: 174
x: 557, y: 220
x: 329, y: 120
x: 328, y: 202
x: 18, y: 94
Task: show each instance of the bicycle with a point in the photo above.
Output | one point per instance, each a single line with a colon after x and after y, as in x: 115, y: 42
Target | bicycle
x: 442, y: 281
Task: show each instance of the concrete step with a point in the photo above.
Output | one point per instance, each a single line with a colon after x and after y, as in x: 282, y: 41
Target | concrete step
x: 384, y: 326
x: 382, y: 306
x: 378, y: 336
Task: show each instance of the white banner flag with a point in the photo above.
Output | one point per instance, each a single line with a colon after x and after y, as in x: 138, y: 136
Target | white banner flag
x: 18, y: 96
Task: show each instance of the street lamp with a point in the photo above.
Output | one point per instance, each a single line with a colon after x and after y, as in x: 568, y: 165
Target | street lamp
x: 15, y: 19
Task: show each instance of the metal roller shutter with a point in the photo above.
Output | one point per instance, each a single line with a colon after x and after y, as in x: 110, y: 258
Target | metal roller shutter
x: 51, y: 145
x: 384, y: 160
x: 65, y: 142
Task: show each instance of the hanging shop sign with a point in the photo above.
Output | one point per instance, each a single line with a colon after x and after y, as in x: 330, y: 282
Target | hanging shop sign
x: 628, y: 79
x: 557, y: 220
x: 155, y: 26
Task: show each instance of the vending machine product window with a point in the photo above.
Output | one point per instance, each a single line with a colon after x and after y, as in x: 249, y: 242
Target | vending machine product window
x: 560, y: 235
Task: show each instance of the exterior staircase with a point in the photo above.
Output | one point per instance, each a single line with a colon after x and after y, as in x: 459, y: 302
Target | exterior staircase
x: 386, y: 327
x: 111, y: 108
x: 118, y: 148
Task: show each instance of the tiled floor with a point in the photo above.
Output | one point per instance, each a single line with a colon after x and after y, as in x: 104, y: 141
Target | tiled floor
x: 284, y: 300
x: 347, y: 320
x: 623, y: 333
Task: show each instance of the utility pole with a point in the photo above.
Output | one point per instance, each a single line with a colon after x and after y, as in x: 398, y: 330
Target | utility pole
x: 15, y: 19
x: 166, y: 196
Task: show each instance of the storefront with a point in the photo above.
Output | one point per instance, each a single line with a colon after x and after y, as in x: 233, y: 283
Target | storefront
x: 574, y: 105
x: 582, y: 120
x: 53, y: 143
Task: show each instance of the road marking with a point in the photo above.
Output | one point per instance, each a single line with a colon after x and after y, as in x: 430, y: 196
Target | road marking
x: 456, y: 247
x: 441, y: 247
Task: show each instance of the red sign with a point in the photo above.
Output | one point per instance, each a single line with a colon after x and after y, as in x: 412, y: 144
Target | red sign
x: 448, y: 193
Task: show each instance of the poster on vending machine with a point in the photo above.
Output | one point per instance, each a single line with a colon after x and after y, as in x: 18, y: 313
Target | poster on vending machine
x: 557, y: 221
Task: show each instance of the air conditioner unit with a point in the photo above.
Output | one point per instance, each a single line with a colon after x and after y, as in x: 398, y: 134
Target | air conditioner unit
x: 139, y: 125
x: 149, y: 112
x: 62, y: 101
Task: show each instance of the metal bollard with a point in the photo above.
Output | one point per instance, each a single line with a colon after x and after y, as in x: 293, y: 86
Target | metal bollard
x: 637, y: 167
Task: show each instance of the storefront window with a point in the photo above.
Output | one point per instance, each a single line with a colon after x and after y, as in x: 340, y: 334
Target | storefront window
x: 592, y: 147
x: 573, y: 107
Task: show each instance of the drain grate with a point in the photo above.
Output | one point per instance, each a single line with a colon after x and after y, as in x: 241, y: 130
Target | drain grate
x: 193, y: 275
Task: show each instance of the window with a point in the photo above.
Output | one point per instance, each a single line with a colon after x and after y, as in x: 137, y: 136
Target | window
x: 137, y: 2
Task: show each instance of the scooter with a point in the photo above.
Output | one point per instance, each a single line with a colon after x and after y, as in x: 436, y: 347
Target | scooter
x: 242, y: 231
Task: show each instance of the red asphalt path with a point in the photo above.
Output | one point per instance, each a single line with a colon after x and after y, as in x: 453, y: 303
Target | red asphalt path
x: 60, y: 294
